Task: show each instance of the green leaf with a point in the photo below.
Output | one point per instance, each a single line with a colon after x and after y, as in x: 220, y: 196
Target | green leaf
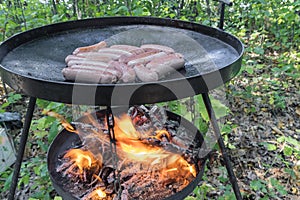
x: 276, y: 184
x: 259, y: 50
x: 190, y: 198
x: 287, y: 150
x: 271, y: 147
x: 8, y: 181
x: 201, y: 107
x: 24, y: 180
x: 4, y: 105
x: 13, y: 98
x: 281, y: 139
x: 293, y: 141
x: 256, y: 185
x: 42, y: 145
x: 121, y: 10
x: 220, y: 109
x: 53, y: 131
x: 249, y: 69
x: 42, y: 103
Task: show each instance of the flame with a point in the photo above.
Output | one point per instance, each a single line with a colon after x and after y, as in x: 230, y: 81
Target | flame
x: 100, y: 193
x: 125, y: 128
x: 143, y: 153
x: 96, y: 195
x: 82, y: 159
x: 162, y: 133
x: 188, y: 167
x: 62, y: 120
x: 133, y: 148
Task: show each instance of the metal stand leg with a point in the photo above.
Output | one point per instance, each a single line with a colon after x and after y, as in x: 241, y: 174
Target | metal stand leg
x: 225, y: 156
x: 22, y: 145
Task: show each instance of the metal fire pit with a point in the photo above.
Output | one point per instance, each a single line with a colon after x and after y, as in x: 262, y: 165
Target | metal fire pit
x: 66, y: 140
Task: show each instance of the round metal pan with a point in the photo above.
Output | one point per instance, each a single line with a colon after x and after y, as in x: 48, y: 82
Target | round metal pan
x: 66, y: 140
x: 31, y: 62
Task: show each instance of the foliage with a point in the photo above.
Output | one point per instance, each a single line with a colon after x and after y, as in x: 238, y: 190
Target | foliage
x: 10, y: 100
x: 269, y: 29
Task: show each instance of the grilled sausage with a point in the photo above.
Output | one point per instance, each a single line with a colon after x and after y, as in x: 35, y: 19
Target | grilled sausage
x: 157, y: 47
x: 72, y: 57
x: 88, y: 76
x: 107, y: 69
x: 86, y: 62
x: 128, y: 74
x: 166, y: 64
x: 104, y: 57
x: 94, y: 47
x: 130, y: 48
x: 146, y: 59
x: 115, y: 51
x: 136, y: 56
x: 145, y: 74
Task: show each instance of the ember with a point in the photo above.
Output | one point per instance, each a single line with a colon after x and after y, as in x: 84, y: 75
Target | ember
x: 153, y: 161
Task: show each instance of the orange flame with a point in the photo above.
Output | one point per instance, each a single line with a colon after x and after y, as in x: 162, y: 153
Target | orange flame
x: 133, y: 148
x: 82, y: 159
x: 61, y: 119
x: 96, y: 195
x: 100, y: 193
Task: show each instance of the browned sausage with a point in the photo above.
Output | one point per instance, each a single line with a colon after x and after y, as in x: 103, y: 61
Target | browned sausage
x: 72, y: 57
x: 166, y: 64
x: 115, y: 51
x: 128, y: 74
x: 158, y: 47
x: 107, y: 69
x: 104, y: 57
x: 146, y: 59
x: 137, y: 56
x: 88, y: 76
x: 145, y: 74
x: 94, y: 47
x: 129, y: 48
x: 86, y: 62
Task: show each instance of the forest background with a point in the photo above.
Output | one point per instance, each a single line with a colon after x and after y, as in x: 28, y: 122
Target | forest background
x: 260, y: 118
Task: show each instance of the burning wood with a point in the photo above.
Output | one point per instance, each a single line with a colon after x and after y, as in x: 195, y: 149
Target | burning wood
x: 155, y: 160
x: 80, y: 164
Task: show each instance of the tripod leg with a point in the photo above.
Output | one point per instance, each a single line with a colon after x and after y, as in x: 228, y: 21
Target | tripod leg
x: 225, y: 156
x: 21, y: 149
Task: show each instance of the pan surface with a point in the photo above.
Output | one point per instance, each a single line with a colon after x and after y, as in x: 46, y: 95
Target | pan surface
x: 31, y: 62
x: 66, y: 140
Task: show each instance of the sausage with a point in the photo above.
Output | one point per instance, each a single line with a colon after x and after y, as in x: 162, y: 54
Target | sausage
x: 146, y: 59
x: 136, y: 56
x: 86, y: 62
x: 104, y: 57
x: 115, y: 51
x: 88, y: 76
x: 130, y: 48
x: 107, y: 69
x: 145, y: 74
x: 94, y: 47
x: 158, y: 47
x: 73, y: 57
x: 128, y: 73
x: 166, y: 64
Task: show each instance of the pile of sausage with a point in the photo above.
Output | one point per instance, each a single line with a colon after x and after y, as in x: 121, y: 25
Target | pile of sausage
x: 99, y: 63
